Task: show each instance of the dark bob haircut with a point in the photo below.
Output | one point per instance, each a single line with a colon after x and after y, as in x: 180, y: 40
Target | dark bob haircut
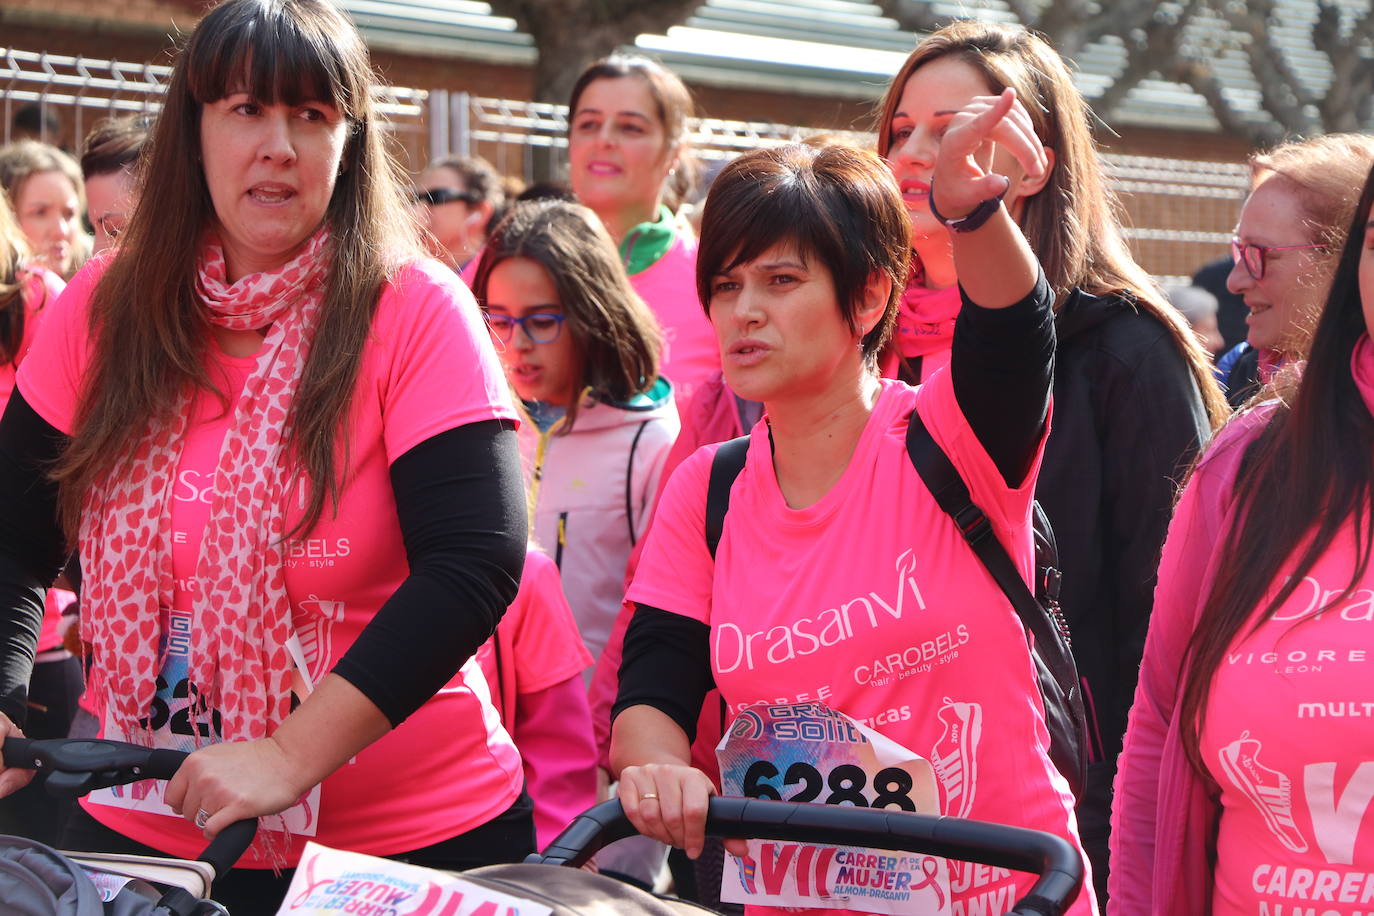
x: 835, y: 204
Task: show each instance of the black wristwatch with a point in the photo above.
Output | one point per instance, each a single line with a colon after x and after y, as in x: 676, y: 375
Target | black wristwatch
x: 972, y: 220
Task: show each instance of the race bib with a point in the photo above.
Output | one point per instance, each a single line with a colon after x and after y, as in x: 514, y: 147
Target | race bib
x: 176, y: 719
x: 808, y: 752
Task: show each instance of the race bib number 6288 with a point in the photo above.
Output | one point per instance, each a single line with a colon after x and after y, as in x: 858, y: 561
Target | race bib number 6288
x: 807, y: 752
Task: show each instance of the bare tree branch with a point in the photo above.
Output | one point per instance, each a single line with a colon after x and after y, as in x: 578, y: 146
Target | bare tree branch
x: 917, y: 15
x: 1199, y: 76
x: 1150, y: 50
x: 1282, y: 93
x: 1346, y: 105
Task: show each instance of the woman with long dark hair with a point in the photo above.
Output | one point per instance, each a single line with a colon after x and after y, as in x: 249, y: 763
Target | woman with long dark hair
x: 1134, y: 395
x: 281, y: 443
x: 1248, y: 766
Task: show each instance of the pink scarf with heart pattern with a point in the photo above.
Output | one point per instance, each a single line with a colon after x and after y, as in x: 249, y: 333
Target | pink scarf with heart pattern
x: 239, y: 661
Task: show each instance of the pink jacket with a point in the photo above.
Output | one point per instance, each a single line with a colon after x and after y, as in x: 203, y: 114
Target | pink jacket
x: 1164, y: 816
x: 533, y: 666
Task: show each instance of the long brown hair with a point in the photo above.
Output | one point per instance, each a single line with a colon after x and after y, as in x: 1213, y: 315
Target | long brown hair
x: 149, y: 329
x: 1073, y: 224
x: 13, y: 253
x: 1304, y: 478
x: 616, y: 339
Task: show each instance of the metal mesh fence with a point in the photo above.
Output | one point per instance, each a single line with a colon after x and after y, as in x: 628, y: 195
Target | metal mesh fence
x: 1179, y: 213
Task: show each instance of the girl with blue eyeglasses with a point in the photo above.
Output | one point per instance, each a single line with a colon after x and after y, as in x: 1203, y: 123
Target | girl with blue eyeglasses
x: 581, y: 351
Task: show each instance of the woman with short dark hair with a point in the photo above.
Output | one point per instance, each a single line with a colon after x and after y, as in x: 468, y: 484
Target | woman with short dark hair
x: 834, y: 557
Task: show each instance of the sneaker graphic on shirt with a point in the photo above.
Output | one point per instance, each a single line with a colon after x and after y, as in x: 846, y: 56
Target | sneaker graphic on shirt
x: 954, y: 756
x: 1268, y: 790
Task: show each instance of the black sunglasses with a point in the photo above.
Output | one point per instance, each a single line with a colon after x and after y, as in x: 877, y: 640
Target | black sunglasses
x: 436, y: 196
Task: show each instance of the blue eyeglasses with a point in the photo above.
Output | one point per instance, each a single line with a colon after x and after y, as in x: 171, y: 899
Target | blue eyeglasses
x: 540, y: 327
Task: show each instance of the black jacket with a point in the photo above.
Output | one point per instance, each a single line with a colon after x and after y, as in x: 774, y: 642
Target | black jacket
x: 1128, y: 419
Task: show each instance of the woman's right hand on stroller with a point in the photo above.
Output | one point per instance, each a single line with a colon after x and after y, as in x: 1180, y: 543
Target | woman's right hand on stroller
x: 12, y: 779
x: 667, y: 801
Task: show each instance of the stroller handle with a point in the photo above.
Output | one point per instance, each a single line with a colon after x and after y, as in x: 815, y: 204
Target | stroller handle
x: 1058, y: 864
x: 76, y: 766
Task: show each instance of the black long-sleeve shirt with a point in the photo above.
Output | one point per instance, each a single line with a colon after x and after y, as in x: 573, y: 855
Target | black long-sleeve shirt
x: 460, y: 504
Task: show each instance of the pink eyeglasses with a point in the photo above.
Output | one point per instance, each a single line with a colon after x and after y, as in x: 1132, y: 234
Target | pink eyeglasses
x: 1254, y: 256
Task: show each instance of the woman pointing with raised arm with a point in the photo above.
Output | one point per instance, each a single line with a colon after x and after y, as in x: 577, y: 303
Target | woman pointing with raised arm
x: 804, y: 254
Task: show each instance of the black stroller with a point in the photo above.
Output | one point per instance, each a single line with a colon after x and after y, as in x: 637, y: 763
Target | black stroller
x: 37, y: 880
x: 74, y: 767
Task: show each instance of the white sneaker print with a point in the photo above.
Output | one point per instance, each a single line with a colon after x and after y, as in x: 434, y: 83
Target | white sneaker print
x: 1268, y: 790
x: 955, y: 755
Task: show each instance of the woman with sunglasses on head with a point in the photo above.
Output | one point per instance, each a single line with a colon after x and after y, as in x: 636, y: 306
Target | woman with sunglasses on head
x: 1248, y: 767
x: 629, y: 161
x: 1287, y: 240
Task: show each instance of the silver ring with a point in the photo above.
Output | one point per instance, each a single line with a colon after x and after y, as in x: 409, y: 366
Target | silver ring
x: 202, y: 817
x: 652, y: 795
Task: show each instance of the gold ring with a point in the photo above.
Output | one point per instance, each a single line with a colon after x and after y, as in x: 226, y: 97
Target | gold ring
x: 649, y: 795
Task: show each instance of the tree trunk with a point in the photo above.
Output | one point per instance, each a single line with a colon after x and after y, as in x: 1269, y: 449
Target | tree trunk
x: 570, y: 34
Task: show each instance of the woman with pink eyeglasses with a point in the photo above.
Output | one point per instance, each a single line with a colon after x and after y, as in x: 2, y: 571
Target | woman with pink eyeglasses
x: 1301, y: 195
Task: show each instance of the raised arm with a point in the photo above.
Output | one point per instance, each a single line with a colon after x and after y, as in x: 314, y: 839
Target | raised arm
x: 1002, y: 360
x: 996, y: 267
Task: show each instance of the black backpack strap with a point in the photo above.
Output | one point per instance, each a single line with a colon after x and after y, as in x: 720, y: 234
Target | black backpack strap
x: 725, y: 467
x: 629, y: 484
x: 948, y: 488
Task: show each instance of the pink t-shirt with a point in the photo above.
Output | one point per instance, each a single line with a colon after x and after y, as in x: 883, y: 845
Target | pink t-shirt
x: 1289, y: 739
x: 669, y: 287
x: 537, y: 648
x: 41, y: 289
x: 537, y: 640
x: 871, y: 602
x: 428, y: 367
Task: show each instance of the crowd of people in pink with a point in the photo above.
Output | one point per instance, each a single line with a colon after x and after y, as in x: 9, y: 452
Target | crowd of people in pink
x: 400, y: 500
